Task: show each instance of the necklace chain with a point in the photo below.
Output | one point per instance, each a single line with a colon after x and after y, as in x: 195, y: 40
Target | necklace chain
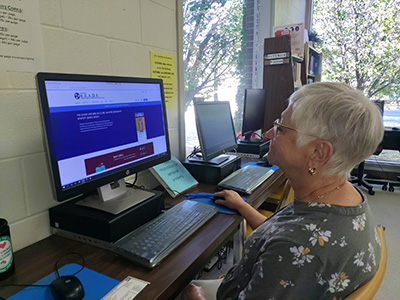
x: 319, y: 197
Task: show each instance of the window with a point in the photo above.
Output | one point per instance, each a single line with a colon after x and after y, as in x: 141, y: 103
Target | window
x: 212, y: 42
x: 359, y: 43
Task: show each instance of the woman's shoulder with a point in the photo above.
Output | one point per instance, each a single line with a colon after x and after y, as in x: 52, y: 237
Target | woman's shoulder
x: 321, y: 224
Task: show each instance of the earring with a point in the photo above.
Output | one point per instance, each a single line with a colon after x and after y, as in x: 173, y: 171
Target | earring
x: 312, y: 171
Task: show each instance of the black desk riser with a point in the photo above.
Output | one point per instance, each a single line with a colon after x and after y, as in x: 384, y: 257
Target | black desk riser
x: 212, y: 173
x: 69, y: 218
x: 257, y: 148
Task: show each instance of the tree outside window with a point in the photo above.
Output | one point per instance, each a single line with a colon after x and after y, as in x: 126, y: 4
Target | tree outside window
x: 212, y: 42
x: 360, y: 45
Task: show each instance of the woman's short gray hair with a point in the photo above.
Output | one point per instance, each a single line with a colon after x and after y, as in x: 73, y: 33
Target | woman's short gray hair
x: 341, y: 115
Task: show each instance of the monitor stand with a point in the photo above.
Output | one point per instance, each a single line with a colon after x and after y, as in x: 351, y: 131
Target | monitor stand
x: 247, y: 139
x: 214, y: 161
x: 115, y: 197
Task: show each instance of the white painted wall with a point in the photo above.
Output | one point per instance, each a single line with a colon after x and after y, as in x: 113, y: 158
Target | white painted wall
x: 289, y: 12
x: 79, y: 36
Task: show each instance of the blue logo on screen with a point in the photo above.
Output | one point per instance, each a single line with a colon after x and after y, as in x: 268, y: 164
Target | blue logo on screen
x: 84, y: 95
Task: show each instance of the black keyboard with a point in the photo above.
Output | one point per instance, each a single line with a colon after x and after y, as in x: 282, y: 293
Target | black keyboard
x: 247, y: 179
x: 152, y: 242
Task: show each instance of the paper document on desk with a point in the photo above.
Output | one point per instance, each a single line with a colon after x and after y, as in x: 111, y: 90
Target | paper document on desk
x: 126, y: 289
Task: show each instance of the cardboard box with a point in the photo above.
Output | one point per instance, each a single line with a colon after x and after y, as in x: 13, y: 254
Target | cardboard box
x: 297, y: 37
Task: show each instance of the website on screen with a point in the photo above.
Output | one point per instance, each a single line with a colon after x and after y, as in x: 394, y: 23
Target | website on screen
x: 101, y: 126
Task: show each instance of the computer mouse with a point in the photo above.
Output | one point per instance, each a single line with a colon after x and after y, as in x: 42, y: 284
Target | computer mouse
x: 67, y: 288
x: 264, y: 163
x: 215, y: 198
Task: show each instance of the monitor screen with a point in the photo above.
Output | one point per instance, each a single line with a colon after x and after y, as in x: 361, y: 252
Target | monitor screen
x: 253, y: 111
x: 214, y: 128
x: 100, y: 129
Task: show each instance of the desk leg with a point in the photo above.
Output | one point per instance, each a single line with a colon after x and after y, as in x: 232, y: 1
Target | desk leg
x: 238, y: 242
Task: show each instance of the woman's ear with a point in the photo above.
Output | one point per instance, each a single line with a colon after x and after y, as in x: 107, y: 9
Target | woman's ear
x: 322, y: 152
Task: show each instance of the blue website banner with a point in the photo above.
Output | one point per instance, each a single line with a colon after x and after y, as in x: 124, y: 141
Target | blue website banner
x: 81, y: 132
x: 101, y: 106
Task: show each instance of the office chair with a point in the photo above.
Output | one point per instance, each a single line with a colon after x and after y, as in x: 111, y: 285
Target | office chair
x: 387, y: 185
x: 360, y: 179
x: 368, y: 290
x: 391, y: 141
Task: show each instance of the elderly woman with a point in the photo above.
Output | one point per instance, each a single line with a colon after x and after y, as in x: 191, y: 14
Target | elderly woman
x: 324, y: 244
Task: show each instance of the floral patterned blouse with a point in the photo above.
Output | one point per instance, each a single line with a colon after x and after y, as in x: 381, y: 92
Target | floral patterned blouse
x: 306, y: 251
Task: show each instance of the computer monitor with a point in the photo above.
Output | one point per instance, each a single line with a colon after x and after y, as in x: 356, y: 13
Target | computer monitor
x: 380, y: 104
x: 253, y: 113
x: 215, y: 130
x: 100, y: 129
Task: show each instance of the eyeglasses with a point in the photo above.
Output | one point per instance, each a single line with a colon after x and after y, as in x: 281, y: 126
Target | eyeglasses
x: 278, y: 126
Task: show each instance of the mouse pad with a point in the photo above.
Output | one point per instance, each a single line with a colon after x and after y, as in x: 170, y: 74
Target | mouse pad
x: 206, y: 198
x: 96, y: 285
x: 253, y: 163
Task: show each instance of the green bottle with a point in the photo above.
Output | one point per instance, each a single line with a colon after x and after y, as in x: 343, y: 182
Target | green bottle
x: 6, y: 253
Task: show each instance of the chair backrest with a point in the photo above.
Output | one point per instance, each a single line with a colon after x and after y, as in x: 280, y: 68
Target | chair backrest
x: 282, y: 194
x: 368, y: 290
x: 289, y: 197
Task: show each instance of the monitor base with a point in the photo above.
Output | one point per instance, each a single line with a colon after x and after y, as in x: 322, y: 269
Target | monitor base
x: 119, y: 204
x: 214, y: 161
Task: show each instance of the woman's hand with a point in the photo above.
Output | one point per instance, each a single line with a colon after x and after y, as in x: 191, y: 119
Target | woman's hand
x: 231, y: 199
x: 193, y: 292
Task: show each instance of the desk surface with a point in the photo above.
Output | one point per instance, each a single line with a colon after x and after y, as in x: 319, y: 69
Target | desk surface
x: 167, y: 280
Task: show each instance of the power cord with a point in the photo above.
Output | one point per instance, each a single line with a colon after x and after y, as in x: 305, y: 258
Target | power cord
x: 56, y: 271
x: 260, y: 136
x: 234, y: 150
x: 383, y: 171
x: 385, y: 177
x: 69, y: 254
x: 222, y: 256
x: 133, y: 185
x: 196, y: 149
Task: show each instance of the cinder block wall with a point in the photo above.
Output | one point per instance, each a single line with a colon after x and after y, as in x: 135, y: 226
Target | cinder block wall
x: 79, y: 36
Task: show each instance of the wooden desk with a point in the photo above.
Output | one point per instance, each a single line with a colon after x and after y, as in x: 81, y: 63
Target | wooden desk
x: 167, y: 280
